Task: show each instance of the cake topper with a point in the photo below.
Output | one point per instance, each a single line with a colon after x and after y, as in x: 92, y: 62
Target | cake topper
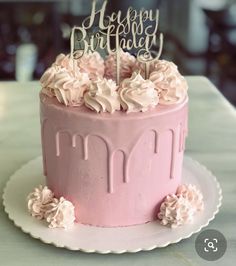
x: 137, y: 31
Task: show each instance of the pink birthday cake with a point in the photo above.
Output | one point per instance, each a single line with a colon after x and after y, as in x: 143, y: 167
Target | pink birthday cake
x: 113, y: 138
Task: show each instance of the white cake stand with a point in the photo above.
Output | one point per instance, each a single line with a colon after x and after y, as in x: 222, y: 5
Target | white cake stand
x: 108, y: 240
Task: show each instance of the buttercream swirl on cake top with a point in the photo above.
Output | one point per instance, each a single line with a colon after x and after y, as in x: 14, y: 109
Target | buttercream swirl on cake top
x: 102, y: 96
x: 137, y: 94
x: 69, y: 87
x: 60, y: 213
x: 65, y: 61
x: 92, y: 64
x: 70, y: 79
x: 127, y: 64
x: 179, y: 209
x: 172, y: 87
x: 47, y: 81
x: 37, y: 200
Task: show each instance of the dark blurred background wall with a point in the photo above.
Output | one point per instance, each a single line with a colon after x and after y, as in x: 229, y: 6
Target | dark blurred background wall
x: 199, y: 36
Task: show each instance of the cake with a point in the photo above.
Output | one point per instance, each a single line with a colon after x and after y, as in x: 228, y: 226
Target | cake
x: 113, y: 137
x: 115, y: 168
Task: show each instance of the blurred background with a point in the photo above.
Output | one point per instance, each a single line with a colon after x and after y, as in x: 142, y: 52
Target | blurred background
x: 199, y: 36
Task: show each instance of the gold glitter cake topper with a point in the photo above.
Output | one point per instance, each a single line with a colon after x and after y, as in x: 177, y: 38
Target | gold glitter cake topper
x: 137, y: 30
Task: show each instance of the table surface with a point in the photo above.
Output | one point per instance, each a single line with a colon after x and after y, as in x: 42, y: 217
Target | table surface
x: 211, y: 141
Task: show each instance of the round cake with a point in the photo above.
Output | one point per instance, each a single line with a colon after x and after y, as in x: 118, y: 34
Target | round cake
x: 115, y: 168
x: 113, y: 129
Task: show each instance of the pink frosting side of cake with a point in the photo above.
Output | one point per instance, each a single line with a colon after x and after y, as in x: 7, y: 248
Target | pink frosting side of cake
x: 116, y: 169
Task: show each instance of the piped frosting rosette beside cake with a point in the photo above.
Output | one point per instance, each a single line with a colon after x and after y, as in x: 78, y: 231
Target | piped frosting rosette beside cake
x: 112, y: 152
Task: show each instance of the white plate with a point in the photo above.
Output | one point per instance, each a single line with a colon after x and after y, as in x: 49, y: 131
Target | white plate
x: 108, y: 240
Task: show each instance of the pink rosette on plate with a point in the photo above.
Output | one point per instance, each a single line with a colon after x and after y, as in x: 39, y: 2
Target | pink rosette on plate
x: 60, y: 213
x: 171, y: 86
x: 179, y: 209
x: 137, y: 94
x: 127, y: 64
x: 175, y: 211
x: 37, y: 201
x: 193, y: 195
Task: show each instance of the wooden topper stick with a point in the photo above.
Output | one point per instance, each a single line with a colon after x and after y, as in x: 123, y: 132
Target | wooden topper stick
x: 148, y: 61
x: 118, y: 66
x: 72, y: 42
x: 147, y: 69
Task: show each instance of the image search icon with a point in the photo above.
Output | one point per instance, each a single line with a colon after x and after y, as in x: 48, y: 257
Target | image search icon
x: 211, y: 245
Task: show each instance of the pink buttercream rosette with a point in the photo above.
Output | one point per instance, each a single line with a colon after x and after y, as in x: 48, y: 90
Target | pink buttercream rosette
x: 127, y: 65
x: 69, y: 79
x: 179, y: 209
x: 171, y: 86
x: 38, y: 200
x: 42, y: 204
x: 92, y: 64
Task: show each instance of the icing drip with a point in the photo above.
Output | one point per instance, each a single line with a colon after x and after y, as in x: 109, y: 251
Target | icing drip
x: 127, y: 154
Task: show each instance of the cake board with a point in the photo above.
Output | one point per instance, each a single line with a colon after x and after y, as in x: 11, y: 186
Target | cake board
x: 108, y: 240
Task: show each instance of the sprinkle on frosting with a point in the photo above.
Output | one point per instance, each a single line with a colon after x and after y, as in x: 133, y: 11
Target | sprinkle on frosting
x: 172, y: 87
x: 92, y: 64
x: 37, y: 201
x: 137, y: 94
x: 102, y: 96
x: 127, y: 64
x: 179, y: 209
x: 60, y: 213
